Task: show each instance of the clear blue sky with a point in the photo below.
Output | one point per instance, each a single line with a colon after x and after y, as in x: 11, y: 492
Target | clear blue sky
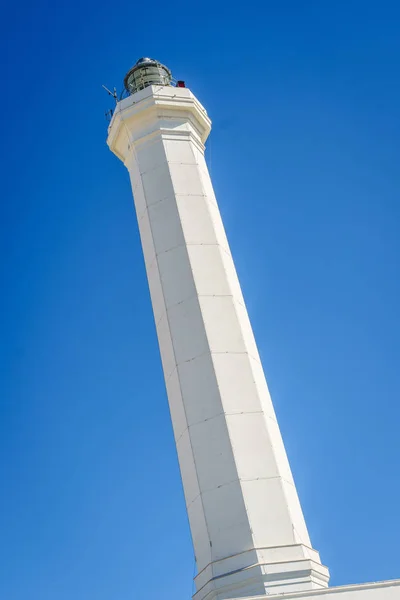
x: 304, y: 154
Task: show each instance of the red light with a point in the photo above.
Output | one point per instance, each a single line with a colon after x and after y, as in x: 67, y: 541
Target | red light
x: 180, y: 84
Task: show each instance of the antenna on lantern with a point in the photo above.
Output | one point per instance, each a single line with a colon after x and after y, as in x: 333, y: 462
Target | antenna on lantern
x: 110, y: 93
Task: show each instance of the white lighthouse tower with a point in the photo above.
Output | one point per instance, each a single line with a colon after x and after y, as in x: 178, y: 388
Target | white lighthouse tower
x: 249, y: 534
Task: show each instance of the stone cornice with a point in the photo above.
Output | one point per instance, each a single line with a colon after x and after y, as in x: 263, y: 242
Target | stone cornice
x: 155, y: 110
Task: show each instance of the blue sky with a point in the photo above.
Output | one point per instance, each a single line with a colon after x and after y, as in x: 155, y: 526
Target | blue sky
x: 304, y: 98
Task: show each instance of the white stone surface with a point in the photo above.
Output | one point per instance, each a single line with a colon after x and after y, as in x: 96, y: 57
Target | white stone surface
x: 247, y: 525
x: 382, y: 590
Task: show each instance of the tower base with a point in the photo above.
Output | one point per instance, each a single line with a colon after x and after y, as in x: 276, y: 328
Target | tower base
x: 262, y: 572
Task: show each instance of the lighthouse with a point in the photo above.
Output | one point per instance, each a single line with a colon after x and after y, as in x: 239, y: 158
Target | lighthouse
x: 249, y: 534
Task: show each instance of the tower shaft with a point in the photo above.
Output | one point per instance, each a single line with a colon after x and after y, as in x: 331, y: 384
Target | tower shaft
x: 248, y: 529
